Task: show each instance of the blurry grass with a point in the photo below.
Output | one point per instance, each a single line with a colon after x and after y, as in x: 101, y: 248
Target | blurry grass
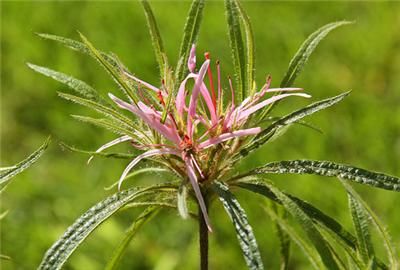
x: 364, y: 130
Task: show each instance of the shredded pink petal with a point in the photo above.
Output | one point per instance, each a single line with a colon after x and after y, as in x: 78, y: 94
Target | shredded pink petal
x: 152, y: 118
x: 145, y: 84
x: 245, y: 114
x: 197, y: 166
x: 192, y: 59
x: 181, y: 97
x: 109, y: 144
x: 227, y: 136
x: 153, y: 152
x: 193, y: 180
x: 194, y: 96
x: 285, y: 89
x: 210, y: 105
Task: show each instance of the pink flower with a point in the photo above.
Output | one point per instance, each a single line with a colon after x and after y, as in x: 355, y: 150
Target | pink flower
x: 190, y: 131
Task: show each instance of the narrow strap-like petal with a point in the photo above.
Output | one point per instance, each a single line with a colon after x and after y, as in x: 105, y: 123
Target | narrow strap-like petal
x: 181, y: 96
x: 152, y: 118
x: 246, y: 113
x: 192, y: 59
x: 193, y: 180
x: 227, y: 136
x: 109, y: 144
x: 287, y: 89
x: 153, y: 152
x: 194, y: 96
x: 145, y: 84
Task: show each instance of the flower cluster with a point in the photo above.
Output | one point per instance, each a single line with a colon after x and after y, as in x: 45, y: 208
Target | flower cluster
x: 197, y: 130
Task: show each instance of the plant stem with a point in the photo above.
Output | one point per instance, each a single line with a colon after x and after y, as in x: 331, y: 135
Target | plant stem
x: 203, y: 237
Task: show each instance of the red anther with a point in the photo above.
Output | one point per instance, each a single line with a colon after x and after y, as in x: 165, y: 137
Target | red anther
x: 186, y: 142
x: 209, y: 73
x: 160, y: 98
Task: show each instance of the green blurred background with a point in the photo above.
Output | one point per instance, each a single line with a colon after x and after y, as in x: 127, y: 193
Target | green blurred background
x: 363, y: 130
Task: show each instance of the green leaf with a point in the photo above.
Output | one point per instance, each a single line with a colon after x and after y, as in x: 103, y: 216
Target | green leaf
x: 93, y: 153
x: 304, y: 245
x: 61, y: 250
x: 250, y: 85
x: 327, y: 168
x: 274, y: 129
x: 144, y: 217
x: 237, y: 48
x: 107, y: 111
x: 298, y: 61
x: 244, y: 232
x: 351, y: 253
x: 108, y: 124
x: 182, y: 201
x: 308, y: 226
x: 5, y: 257
x: 306, y: 49
x: 190, y: 33
x: 317, y: 215
x: 79, y: 46
x: 69, y: 43
x: 283, y: 237
x: 114, y: 71
x: 393, y: 261
x: 157, y: 43
x: 361, y: 224
x: 79, y: 86
x: 6, y: 175
x: 82, y: 48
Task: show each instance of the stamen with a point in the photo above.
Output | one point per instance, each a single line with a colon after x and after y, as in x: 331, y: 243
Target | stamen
x: 219, y: 87
x: 214, y: 100
x: 141, y: 94
x: 232, y: 92
x: 159, y: 93
x: 196, y: 165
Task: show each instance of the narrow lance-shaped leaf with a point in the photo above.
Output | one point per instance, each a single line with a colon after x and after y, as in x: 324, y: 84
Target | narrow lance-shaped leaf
x: 58, y: 254
x: 298, y: 61
x: 182, y: 201
x: 93, y: 153
x: 306, y: 49
x: 161, y: 56
x: 268, y: 133
x: 361, y: 224
x: 308, y: 250
x: 313, y: 212
x: 107, y: 111
x: 79, y: 86
x: 158, y: 47
x: 308, y: 226
x: 283, y: 237
x: 80, y: 47
x: 249, y: 49
x: 237, y: 47
x: 391, y: 253
x: 106, y: 123
x: 354, y: 263
x: 115, y: 72
x: 6, y: 175
x: 244, y: 232
x: 190, y: 33
x: 331, y: 169
x: 143, y: 218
